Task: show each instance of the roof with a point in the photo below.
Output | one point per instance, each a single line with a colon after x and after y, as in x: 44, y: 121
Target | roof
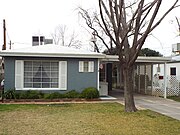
x: 141, y: 59
x: 51, y: 50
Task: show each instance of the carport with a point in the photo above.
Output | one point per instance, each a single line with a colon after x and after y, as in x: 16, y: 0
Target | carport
x: 146, y: 79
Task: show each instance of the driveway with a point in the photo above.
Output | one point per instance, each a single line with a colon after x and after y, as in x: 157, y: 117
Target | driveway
x: 167, y: 107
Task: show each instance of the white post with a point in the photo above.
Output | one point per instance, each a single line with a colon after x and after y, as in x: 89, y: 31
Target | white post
x: 98, y: 74
x: 165, y: 81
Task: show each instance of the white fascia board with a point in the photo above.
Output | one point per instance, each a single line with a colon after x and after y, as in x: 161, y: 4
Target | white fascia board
x: 52, y: 55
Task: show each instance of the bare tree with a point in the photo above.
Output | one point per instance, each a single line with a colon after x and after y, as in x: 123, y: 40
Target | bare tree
x: 178, y: 26
x: 62, y: 36
x: 128, y: 24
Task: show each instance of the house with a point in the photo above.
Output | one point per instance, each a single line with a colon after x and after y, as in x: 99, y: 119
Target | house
x: 50, y: 68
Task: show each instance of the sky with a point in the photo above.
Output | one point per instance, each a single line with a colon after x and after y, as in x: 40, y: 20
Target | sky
x: 25, y: 18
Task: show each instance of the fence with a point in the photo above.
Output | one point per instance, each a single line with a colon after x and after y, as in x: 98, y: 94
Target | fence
x: 147, y: 82
x: 172, y: 89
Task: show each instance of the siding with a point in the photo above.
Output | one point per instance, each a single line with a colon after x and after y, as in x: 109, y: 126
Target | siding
x: 75, y: 80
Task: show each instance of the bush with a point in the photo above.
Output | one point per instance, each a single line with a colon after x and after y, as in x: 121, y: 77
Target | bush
x: 72, y: 94
x: 30, y: 94
x: 90, y: 93
x: 54, y: 95
x: 9, y: 94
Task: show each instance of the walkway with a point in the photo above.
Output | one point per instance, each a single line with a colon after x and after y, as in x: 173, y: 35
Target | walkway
x: 164, y: 106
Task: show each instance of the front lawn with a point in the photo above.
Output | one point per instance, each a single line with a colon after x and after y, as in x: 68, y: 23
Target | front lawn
x: 83, y: 119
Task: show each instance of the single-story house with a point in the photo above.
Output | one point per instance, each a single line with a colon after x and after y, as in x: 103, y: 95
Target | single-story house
x: 50, y: 68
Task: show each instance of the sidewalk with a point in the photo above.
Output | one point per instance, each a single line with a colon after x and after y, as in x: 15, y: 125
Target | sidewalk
x: 167, y: 107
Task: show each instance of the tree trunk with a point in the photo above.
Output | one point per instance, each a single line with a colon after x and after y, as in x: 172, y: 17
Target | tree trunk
x: 128, y: 89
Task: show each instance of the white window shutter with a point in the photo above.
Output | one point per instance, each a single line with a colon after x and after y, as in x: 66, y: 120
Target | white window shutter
x: 91, y: 66
x: 19, y: 73
x: 63, y: 75
x: 81, y: 66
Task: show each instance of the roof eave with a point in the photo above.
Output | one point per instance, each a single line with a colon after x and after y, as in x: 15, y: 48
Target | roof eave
x: 70, y: 55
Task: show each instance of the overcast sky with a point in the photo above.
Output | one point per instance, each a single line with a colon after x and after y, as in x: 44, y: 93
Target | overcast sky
x: 25, y: 18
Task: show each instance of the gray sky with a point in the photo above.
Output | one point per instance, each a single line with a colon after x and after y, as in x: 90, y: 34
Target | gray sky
x: 25, y: 18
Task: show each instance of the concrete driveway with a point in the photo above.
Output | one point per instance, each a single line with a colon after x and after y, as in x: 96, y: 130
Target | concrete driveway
x: 167, y: 107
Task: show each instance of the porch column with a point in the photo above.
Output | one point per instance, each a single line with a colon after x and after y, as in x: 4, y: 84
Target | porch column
x: 109, y: 76
x: 165, y: 81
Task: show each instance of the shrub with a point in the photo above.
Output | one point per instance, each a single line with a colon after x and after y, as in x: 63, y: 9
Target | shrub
x: 30, y: 94
x: 54, y: 95
x: 90, y: 93
x: 72, y: 94
x: 9, y: 94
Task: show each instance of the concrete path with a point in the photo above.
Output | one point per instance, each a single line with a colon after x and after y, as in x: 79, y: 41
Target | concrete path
x: 167, y: 107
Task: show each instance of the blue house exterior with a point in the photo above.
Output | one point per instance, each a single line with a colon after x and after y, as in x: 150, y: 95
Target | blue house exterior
x: 50, y: 68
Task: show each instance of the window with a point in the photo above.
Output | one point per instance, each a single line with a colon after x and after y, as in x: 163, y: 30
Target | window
x: 172, y: 71
x: 86, y: 66
x: 41, y: 74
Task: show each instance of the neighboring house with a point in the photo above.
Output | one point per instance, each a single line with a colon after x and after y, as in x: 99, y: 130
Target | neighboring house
x: 172, y: 76
x: 50, y: 68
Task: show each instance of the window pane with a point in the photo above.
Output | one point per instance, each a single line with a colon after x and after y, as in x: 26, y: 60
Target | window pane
x: 54, y: 64
x: 172, y: 71
x: 36, y: 85
x: 28, y: 80
x: 28, y: 74
x: 37, y: 74
x: 54, y: 74
x: 28, y: 68
x: 45, y: 74
x: 45, y: 79
x: 45, y: 66
x: 54, y: 80
x: 54, y: 68
x: 36, y: 63
x: 37, y: 79
x: 45, y: 85
x: 28, y: 85
x: 28, y: 64
x: 86, y: 66
x: 54, y: 85
x: 36, y: 69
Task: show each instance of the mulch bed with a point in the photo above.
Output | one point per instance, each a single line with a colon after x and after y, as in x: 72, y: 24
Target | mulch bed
x: 49, y: 100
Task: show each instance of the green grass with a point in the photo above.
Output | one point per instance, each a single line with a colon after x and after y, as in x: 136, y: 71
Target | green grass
x: 175, y: 98
x: 83, y: 119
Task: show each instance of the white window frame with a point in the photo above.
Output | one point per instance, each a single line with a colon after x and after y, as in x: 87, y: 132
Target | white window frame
x: 90, y: 67
x: 19, y: 83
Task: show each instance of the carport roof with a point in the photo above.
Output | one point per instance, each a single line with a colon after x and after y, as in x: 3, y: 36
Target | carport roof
x: 140, y: 59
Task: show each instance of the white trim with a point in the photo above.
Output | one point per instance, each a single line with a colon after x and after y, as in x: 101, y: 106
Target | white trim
x: 63, y: 75
x: 81, y: 66
x: 19, y: 74
x: 165, y: 81
x: 98, y: 75
x: 65, y: 55
x: 91, y: 66
x: 44, y: 89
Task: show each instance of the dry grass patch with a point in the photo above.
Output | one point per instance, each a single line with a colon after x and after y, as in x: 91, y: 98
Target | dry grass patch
x: 83, y: 119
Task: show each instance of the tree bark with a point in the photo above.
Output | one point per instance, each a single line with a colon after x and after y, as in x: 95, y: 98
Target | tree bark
x: 128, y: 89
